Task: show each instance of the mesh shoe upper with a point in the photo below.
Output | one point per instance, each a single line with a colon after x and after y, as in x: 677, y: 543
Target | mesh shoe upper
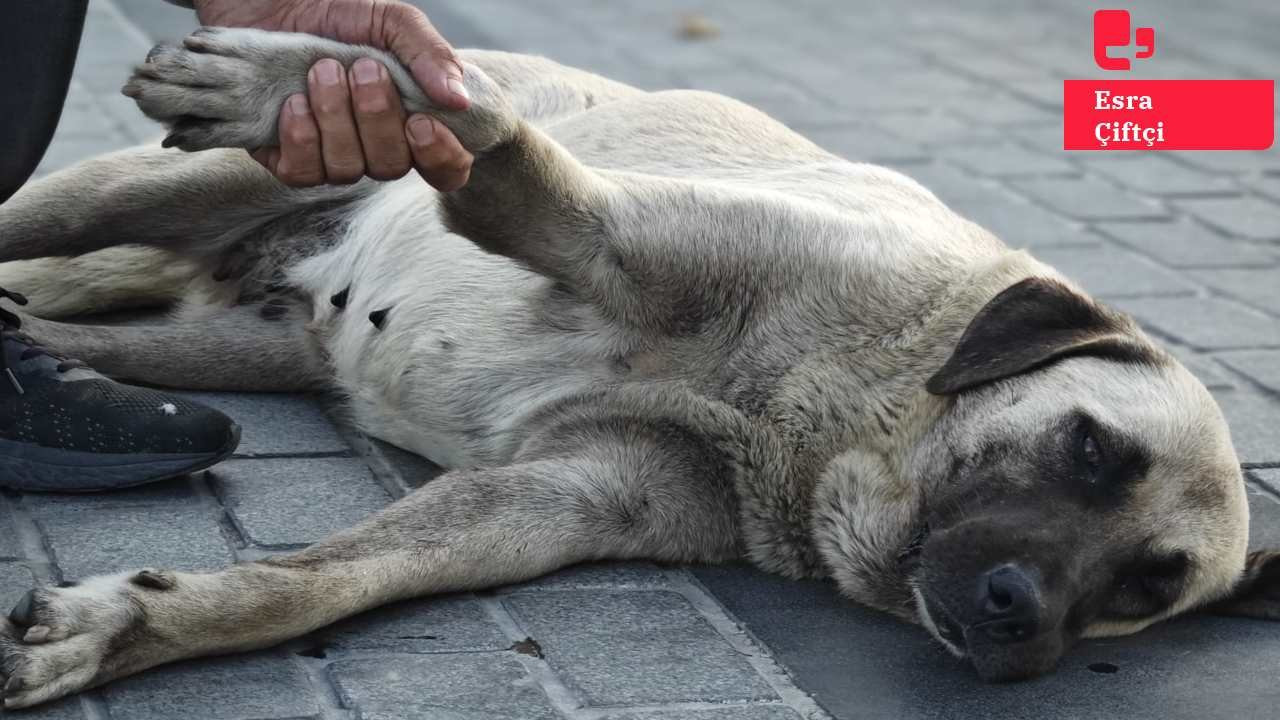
x: 52, y: 402
x: 103, y: 416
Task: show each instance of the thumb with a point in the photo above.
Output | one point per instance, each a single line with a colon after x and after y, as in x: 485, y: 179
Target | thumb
x: 430, y: 58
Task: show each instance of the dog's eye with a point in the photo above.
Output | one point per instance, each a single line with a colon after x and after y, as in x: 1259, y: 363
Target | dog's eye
x: 1090, y: 456
x: 1091, y: 451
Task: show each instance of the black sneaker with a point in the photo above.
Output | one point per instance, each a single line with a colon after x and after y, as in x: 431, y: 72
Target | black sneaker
x: 65, y: 428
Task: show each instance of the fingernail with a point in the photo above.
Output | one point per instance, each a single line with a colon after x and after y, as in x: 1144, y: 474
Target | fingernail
x: 457, y: 88
x: 328, y: 72
x: 365, y: 71
x: 298, y: 104
x: 421, y: 130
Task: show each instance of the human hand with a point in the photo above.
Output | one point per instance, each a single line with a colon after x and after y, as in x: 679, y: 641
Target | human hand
x: 351, y: 123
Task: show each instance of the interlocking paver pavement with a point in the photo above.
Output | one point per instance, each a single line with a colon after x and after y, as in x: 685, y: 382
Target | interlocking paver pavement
x: 965, y: 97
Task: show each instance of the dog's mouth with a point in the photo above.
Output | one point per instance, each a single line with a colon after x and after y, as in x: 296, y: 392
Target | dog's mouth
x: 950, y: 632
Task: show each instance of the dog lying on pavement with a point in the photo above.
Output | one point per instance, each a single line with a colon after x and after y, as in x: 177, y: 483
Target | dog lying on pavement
x: 653, y: 325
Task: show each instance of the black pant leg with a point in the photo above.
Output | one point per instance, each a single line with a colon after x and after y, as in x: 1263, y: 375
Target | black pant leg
x: 38, y: 44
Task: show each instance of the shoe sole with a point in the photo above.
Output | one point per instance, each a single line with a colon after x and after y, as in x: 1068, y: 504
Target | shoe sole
x: 33, y: 468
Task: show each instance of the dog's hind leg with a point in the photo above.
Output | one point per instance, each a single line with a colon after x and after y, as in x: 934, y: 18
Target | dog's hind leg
x: 585, y: 493
x: 242, y: 348
x: 199, y: 205
x: 528, y: 198
x: 117, y: 278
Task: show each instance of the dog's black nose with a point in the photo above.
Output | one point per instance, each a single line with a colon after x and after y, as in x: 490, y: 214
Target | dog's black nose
x: 1009, y: 604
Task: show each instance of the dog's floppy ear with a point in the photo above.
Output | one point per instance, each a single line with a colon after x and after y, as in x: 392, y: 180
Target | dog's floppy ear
x: 1257, y: 592
x: 1028, y: 325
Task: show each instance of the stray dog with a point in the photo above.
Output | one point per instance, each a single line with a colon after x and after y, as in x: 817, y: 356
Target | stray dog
x: 653, y: 325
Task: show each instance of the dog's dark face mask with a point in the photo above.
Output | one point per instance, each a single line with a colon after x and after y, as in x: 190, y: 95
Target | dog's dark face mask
x: 1090, y: 489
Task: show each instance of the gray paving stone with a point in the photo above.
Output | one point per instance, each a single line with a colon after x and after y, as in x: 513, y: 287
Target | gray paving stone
x: 1007, y: 159
x: 1206, y: 370
x: 1260, y: 366
x: 1017, y: 222
x: 1259, y: 288
x: 445, y: 624
x: 999, y: 108
x: 277, y: 424
x: 1021, y: 224
x: 1090, y: 199
x: 291, y: 501
x: 1153, y: 174
x: 1232, y: 161
x: 468, y: 686
x: 10, y: 547
x: 87, y: 540
x: 1269, y: 477
x: 414, y: 469
x: 1044, y: 137
x: 1254, y: 420
x: 739, y: 712
x: 177, y: 490
x: 1268, y: 185
x: 1188, y: 245
x: 1247, y: 217
x: 1205, y: 323
x: 598, y: 576
x: 1264, y: 519
x: 1043, y: 93
x: 935, y: 127
x: 260, y: 686
x: 620, y: 648
x: 15, y: 581
x: 1108, y: 272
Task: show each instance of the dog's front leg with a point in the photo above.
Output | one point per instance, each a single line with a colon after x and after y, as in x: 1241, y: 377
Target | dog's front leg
x: 528, y: 198
x: 466, y: 530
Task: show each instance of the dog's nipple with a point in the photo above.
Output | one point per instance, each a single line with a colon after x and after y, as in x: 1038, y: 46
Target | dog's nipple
x: 340, y: 300
x: 379, y: 317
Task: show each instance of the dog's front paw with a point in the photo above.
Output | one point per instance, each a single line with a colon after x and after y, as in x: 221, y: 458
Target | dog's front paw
x: 215, y: 90
x: 58, y: 641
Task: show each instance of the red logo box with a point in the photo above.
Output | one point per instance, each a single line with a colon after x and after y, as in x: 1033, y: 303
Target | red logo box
x: 1168, y: 114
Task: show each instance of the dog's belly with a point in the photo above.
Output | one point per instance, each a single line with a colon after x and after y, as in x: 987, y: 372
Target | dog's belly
x: 466, y: 352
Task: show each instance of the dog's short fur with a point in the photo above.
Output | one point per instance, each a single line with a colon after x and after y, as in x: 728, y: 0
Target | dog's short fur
x: 653, y: 325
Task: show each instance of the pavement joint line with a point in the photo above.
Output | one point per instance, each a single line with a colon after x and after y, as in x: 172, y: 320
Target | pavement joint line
x: 320, y: 681
x: 604, y: 711
x: 383, y: 471
x: 1253, y: 384
x: 206, y: 492
x: 39, y: 555
x: 1265, y: 487
x: 1223, y: 295
x: 561, y: 697
x: 746, y: 644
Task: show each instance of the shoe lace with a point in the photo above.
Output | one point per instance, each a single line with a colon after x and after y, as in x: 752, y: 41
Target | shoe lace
x: 10, y: 328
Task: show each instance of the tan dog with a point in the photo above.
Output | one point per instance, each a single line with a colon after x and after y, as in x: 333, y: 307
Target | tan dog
x: 654, y: 325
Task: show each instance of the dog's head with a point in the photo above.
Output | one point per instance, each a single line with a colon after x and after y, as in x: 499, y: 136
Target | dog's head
x: 1086, y: 486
